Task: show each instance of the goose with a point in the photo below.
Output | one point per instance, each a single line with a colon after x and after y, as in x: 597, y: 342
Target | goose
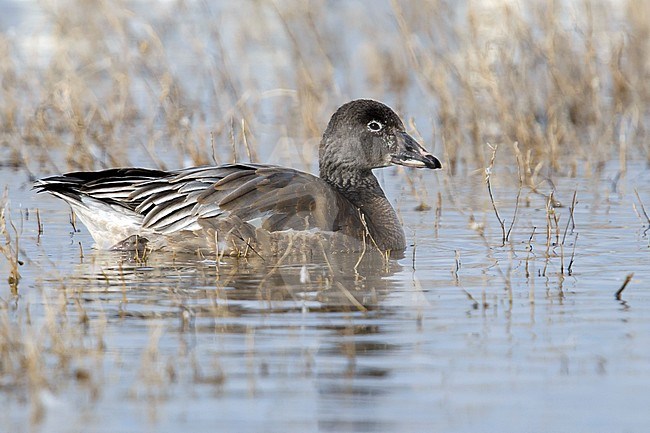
x: 241, y: 208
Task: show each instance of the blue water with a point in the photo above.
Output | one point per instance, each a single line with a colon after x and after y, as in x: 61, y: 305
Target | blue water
x: 240, y: 350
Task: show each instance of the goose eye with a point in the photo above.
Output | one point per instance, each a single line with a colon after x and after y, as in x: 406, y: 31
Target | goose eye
x: 375, y: 126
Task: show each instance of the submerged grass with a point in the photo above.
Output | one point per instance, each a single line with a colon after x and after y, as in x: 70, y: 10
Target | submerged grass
x: 40, y: 355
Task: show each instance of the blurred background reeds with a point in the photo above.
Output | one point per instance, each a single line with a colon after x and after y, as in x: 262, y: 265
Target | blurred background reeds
x: 100, y: 83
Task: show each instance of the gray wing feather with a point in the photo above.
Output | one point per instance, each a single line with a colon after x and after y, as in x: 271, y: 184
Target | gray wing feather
x: 186, y: 199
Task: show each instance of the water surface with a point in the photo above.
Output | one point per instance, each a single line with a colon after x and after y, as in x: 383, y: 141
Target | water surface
x: 461, y: 334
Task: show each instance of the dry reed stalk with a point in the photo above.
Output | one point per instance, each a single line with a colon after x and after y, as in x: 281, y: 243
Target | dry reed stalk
x: 520, y: 187
x: 645, y: 214
x: 571, y: 219
x: 529, y: 252
x: 350, y: 297
x: 550, y: 218
x: 488, y: 175
x: 619, y: 292
x: 573, y: 253
x: 10, y: 248
x: 415, y: 245
x: 457, y: 265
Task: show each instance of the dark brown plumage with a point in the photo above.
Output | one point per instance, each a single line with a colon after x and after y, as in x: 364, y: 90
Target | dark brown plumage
x: 237, y: 206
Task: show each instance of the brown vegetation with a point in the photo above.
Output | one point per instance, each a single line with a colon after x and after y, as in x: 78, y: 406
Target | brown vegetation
x: 108, y: 85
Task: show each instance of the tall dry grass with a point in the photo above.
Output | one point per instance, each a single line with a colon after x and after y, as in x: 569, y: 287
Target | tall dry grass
x: 105, y: 84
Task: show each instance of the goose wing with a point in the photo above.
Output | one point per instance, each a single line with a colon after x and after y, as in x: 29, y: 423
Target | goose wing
x: 273, y: 198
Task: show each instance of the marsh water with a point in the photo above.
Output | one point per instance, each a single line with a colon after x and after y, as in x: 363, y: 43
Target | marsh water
x: 465, y: 333
x: 462, y: 334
